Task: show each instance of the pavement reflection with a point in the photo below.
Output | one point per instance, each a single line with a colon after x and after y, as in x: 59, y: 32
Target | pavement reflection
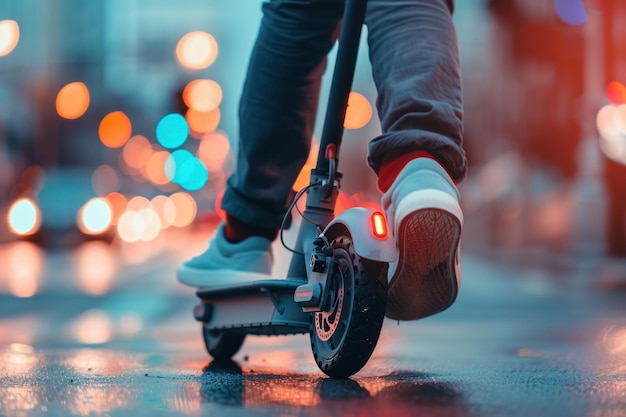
x: 518, y: 342
x: 398, y: 393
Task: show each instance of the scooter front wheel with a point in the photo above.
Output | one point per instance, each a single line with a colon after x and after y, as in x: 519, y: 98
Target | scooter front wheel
x: 222, y: 345
x: 344, y: 337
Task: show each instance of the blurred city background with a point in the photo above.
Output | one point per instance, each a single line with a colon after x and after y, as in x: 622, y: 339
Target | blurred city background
x: 118, y: 128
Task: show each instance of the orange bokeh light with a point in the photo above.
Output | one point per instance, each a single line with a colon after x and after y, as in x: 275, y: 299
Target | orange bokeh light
x: 616, y: 93
x: 202, y: 95
x: 95, y: 267
x: 359, y: 111
x: 218, y: 206
x: 137, y: 152
x: 304, y: 177
x: 155, y: 169
x: 73, y: 100
x: 118, y: 205
x: 196, y: 50
x: 213, y: 150
x: 165, y: 208
x: 24, y: 266
x: 186, y: 209
x: 203, y: 122
x: 138, y: 203
x: 115, y: 129
x: 9, y: 36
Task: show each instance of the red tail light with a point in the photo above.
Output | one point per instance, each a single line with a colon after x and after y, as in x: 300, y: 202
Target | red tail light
x: 379, y: 226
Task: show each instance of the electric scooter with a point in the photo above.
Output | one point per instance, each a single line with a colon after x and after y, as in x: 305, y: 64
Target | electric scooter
x: 336, y: 284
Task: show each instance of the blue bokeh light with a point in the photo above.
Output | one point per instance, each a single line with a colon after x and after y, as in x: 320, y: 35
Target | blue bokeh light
x: 173, y: 164
x: 571, y: 12
x: 172, y: 131
x: 184, y: 169
x: 194, y: 175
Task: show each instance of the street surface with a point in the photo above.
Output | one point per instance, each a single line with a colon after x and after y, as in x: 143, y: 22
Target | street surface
x: 108, y: 331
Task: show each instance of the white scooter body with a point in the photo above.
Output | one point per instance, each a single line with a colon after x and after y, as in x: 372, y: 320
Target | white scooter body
x: 366, y: 244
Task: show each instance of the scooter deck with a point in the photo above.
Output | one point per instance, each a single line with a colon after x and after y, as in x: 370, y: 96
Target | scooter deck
x: 260, y: 307
x: 236, y: 290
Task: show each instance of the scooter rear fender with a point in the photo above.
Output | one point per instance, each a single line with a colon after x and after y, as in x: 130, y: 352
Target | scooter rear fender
x: 358, y: 221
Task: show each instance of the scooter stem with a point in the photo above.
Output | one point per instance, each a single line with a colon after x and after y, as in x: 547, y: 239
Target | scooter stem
x: 320, y: 203
x: 343, y: 75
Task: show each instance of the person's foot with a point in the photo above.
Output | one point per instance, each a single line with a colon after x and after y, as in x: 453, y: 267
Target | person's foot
x: 225, y: 263
x: 422, y: 208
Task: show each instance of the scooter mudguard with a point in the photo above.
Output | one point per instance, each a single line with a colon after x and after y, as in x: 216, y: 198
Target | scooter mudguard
x: 358, y: 221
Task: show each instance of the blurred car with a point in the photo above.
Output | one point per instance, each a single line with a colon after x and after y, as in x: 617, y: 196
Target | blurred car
x: 59, y: 207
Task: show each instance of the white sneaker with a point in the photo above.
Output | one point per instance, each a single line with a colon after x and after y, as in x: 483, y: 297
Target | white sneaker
x: 422, y: 208
x: 225, y: 263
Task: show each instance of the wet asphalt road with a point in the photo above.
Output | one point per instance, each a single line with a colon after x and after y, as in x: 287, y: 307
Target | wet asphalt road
x: 94, y: 332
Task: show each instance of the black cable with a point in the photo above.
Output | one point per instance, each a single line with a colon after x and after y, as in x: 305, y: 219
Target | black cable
x: 288, y: 213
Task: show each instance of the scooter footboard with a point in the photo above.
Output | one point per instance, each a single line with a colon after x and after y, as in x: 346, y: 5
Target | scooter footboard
x: 259, y: 307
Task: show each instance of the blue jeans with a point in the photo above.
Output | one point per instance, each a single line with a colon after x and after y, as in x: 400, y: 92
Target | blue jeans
x: 415, y: 64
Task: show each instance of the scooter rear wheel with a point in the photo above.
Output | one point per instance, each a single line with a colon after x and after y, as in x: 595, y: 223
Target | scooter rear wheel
x: 222, y: 345
x: 344, y: 337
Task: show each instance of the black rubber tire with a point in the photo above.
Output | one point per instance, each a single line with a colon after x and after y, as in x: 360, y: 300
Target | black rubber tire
x: 222, y: 345
x: 343, y: 339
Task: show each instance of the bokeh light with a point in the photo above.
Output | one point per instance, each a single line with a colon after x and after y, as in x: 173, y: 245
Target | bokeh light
x: 614, y: 149
x: 95, y: 216
x: 165, y: 208
x: 24, y: 217
x: 221, y: 213
x: 620, y: 120
x: 115, y: 129
x: 24, y: 268
x: 195, y: 174
x: 202, y: 95
x: 72, y: 100
x: 611, y: 124
x: 174, y: 162
x: 304, y: 177
x: 139, y: 222
x: 137, y: 203
x: 95, y: 267
x: 130, y: 226
x: 184, y: 169
x: 9, y: 36
x: 155, y: 169
x: 611, y: 121
x: 214, y: 149
x: 186, y: 209
x: 118, y: 203
x: 137, y: 152
x: 616, y: 93
x: 172, y: 131
x: 151, y: 224
x: 359, y: 111
x: 196, y: 50
x: 104, y: 180
x: 93, y: 327
x: 571, y: 12
x: 202, y: 122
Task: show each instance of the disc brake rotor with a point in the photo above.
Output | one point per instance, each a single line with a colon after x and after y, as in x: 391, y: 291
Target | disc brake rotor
x: 326, y: 322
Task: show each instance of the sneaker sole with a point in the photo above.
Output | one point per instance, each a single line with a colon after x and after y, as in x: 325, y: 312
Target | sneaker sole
x: 426, y: 279
x: 201, y: 278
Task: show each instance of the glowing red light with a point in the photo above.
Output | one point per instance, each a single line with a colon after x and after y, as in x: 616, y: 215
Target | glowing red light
x: 379, y: 226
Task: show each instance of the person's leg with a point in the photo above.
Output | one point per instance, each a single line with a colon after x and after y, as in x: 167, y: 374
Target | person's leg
x: 419, y: 155
x: 276, y: 117
x: 415, y: 63
x: 278, y: 109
